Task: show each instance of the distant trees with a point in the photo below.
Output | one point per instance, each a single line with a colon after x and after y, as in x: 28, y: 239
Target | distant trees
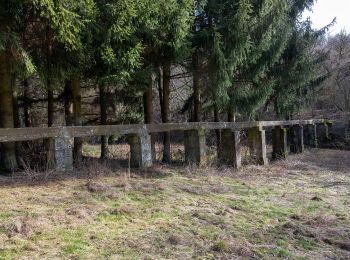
x: 338, y: 66
x: 242, y: 55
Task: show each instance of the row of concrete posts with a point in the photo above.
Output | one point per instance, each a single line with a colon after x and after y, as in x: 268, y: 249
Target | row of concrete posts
x: 285, y: 140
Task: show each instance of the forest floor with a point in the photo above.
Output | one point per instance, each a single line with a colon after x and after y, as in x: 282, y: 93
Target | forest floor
x: 298, y: 208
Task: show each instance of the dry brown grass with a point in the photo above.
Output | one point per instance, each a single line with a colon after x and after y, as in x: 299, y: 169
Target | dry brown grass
x: 298, y: 208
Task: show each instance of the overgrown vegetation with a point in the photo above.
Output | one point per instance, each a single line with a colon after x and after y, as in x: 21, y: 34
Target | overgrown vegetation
x: 119, y: 61
x: 296, y: 209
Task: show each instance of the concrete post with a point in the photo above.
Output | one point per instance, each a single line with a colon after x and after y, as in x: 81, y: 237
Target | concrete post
x: 63, y: 153
x: 310, y: 135
x: 257, y: 145
x: 140, y: 150
x: 323, y: 132
x: 230, y: 153
x: 279, y: 143
x: 297, y: 139
x: 195, y: 147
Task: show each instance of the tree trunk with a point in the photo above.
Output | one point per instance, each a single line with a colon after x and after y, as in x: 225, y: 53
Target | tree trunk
x: 196, y: 90
x: 148, y: 106
x: 166, y: 110
x: 50, y: 142
x: 231, y: 115
x: 160, y: 88
x: 78, y: 142
x: 16, y: 117
x: 50, y: 104
x: 217, y: 131
x: 103, y: 108
x: 26, y: 105
x: 149, y: 114
x: 68, y: 103
x: 8, y: 161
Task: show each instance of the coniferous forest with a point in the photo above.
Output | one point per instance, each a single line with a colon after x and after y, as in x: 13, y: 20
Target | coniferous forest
x: 155, y: 61
x: 173, y: 129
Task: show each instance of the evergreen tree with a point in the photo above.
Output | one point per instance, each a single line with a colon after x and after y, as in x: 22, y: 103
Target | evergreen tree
x: 297, y: 73
x: 19, y: 24
x: 166, y: 42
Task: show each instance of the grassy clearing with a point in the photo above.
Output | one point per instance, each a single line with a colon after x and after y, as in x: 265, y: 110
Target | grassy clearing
x: 296, y: 209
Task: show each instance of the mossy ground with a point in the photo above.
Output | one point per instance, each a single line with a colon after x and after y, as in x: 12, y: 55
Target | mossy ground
x: 298, y: 209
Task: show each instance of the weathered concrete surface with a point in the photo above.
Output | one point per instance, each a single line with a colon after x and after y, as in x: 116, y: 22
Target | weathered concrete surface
x: 257, y: 145
x: 63, y: 154
x: 26, y: 134
x: 297, y: 139
x: 195, y: 147
x: 323, y: 131
x: 310, y: 135
x: 64, y: 151
x: 279, y: 143
x: 230, y: 153
x: 141, y: 150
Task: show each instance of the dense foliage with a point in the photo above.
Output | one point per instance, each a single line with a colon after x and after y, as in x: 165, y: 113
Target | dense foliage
x: 241, y: 56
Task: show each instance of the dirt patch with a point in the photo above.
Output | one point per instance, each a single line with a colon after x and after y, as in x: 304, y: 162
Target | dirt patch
x: 345, y: 245
x: 80, y: 213
x: 95, y: 187
x: 123, y: 210
x: 320, y: 228
x: 26, y: 226
x: 177, y: 240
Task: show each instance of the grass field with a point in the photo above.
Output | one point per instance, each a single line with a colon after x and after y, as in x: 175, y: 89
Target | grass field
x: 296, y: 209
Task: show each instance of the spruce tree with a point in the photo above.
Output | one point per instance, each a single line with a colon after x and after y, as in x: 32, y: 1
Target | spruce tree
x: 20, y: 23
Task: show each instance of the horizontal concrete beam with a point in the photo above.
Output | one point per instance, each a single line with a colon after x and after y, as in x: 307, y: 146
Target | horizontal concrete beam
x: 26, y: 134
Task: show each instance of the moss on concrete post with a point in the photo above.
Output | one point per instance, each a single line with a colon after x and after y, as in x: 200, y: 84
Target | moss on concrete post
x: 195, y: 147
x: 140, y: 150
x: 63, y: 154
x: 297, y: 139
x: 230, y: 153
x: 329, y: 129
x: 257, y: 145
x: 279, y: 143
x: 310, y: 135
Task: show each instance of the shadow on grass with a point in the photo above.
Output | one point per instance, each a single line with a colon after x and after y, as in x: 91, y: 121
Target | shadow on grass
x: 89, y: 169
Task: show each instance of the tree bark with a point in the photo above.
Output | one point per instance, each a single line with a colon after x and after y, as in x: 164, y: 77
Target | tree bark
x: 8, y: 161
x: 149, y: 113
x: 148, y: 106
x: 160, y: 88
x: 50, y: 142
x: 78, y: 142
x: 166, y: 110
x: 68, y: 103
x: 196, y: 90
x: 103, y: 108
x: 50, y: 105
x: 231, y: 116
x: 217, y: 131
x: 26, y: 105
x: 16, y: 117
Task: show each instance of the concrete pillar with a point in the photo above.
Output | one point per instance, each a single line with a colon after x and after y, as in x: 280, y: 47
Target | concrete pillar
x: 323, y: 132
x: 230, y: 153
x: 63, y: 153
x: 195, y: 147
x: 140, y: 150
x: 257, y: 145
x: 279, y: 143
x: 297, y: 139
x: 310, y: 135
